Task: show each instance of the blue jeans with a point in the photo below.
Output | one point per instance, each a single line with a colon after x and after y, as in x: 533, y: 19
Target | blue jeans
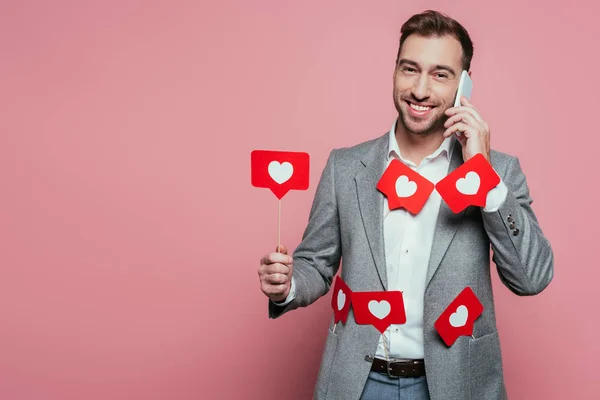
x: 380, y: 386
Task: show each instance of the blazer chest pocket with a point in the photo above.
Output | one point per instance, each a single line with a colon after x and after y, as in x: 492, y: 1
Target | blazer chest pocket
x: 486, y: 381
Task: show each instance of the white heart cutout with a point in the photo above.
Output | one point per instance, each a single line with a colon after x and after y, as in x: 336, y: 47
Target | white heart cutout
x: 405, y: 187
x: 280, y: 172
x: 459, y: 318
x: 341, y: 299
x: 469, y: 184
x: 380, y: 309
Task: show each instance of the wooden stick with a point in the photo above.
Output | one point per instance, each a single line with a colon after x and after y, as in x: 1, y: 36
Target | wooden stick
x: 279, y: 227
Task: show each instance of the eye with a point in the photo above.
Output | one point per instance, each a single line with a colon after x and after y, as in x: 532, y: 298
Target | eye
x: 441, y: 75
x: 408, y: 69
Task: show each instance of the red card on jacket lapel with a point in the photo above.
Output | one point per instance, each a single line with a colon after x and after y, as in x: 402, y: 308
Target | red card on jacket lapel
x: 458, y: 319
x: 468, y: 184
x: 341, y: 300
x: 280, y: 171
x: 380, y: 309
x: 404, y: 187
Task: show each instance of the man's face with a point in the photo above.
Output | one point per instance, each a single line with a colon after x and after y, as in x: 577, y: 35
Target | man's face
x: 425, y: 81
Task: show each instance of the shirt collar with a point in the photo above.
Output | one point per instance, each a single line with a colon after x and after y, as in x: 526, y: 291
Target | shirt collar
x: 445, y: 148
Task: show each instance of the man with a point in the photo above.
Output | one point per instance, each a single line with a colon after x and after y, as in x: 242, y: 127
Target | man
x: 431, y: 256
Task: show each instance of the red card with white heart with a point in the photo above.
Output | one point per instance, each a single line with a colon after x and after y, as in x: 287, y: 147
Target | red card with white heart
x: 458, y: 319
x: 340, y: 301
x: 280, y: 171
x: 380, y: 309
x: 469, y: 184
x: 404, y: 187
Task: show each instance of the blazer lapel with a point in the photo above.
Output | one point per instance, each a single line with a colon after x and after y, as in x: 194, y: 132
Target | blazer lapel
x: 447, y: 222
x: 370, y: 201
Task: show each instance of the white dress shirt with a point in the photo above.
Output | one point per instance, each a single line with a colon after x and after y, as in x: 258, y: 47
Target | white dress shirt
x: 408, y: 239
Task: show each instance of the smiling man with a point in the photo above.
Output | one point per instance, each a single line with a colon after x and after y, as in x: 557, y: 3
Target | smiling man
x: 431, y: 256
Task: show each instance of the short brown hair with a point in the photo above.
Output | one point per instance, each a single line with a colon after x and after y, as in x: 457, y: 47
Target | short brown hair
x: 435, y: 24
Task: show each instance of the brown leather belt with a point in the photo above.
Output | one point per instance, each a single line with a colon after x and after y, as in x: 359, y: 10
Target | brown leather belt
x: 399, y: 368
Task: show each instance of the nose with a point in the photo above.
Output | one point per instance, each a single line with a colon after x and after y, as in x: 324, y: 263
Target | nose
x: 420, y: 89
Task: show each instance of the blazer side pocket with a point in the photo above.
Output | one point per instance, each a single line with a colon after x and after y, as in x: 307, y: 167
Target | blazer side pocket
x: 326, y: 364
x: 486, y: 381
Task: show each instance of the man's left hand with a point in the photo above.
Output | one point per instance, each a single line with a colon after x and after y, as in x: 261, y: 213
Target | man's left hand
x: 471, y: 130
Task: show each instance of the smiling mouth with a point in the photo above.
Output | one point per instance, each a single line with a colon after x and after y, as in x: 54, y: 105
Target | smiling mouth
x: 419, y: 110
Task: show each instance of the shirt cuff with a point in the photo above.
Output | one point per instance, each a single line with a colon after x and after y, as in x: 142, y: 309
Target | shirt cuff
x: 291, y: 295
x: 495, y: 197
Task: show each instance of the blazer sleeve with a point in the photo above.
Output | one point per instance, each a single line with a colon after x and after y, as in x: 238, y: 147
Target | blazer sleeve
x: 521, y: 252
x: 317, y: 257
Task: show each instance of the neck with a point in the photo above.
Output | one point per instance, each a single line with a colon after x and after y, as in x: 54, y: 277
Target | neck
x: 415, y: 147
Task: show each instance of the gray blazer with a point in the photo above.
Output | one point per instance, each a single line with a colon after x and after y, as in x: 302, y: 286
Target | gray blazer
x: 346, y: 220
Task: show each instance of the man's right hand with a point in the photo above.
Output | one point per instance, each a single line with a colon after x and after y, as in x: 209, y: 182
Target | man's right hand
x: 275, y: 274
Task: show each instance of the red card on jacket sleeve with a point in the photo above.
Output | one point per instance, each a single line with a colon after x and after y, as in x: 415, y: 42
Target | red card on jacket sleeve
x: 458, y: 319
x: 468, y: 184
x: 380, y: 309
x: 404, y: 187
x: 341, y: 300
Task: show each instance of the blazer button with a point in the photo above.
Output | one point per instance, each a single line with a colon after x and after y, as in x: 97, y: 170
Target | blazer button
x: 512, y: 225
x: 509, y: 218
x: 516, y: 232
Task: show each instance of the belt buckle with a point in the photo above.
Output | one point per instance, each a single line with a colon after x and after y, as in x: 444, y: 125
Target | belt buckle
x: 389, y: 367
x: 409, y: 366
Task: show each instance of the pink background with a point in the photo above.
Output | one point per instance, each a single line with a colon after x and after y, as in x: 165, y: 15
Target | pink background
x: 130, y: 234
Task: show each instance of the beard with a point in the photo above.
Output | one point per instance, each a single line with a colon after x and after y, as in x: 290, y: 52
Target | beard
x: 420, y: 126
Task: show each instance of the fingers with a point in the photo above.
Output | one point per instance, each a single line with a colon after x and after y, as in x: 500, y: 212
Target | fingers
x: 474, y: 111
x: 275, y: 273
x: 466, y: 107
x: 277, y: 279
x: 275, y: 290
x: 467, y: 119
x: 272, y: 258
x: 470, y: 110
x: 465, y: 102
x: 466, y: 129
x: 463, y: 116
x: 276, y: 268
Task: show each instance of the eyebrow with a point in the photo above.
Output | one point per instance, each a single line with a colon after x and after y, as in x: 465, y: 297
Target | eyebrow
x: 437, y: 67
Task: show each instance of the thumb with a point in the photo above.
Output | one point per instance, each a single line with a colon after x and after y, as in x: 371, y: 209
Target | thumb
x: 281, y: 249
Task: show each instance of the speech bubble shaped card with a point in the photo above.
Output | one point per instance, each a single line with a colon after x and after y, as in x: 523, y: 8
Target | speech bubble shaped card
x: 380, y: 309
x: 404, y: 187
x: 468, y: 184
x: 459, y: 317
x: 280, y: 171
x: 341, y: 300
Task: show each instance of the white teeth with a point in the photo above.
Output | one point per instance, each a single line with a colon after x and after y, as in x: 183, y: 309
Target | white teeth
x: 419, y: 108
